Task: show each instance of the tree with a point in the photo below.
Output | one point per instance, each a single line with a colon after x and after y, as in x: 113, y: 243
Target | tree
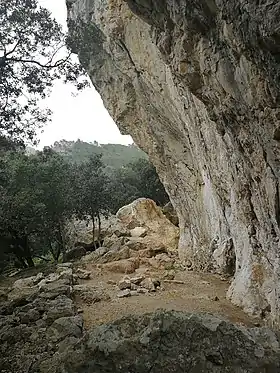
x: 33, y: 54
x: 93, y: 193
x: 35, y: 202
x: 21, y: 211
x: 137, y: 179
x: 148, y: 182
x: 54, y: 178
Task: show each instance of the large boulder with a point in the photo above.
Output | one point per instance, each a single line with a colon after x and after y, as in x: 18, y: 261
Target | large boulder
x: 166, y: 342
x: 148, y: 225
x: 74, y: 254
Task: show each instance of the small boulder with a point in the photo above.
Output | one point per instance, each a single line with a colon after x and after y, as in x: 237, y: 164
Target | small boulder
x: 83, y: 274
x: 96, y: 255
x: 62, y: 306
x: 124, y: 293
x: 28, y: 282
x: 65, y: 327
x: 74, y: 254
x: 52, y: 290
x: 148, y: 284
x: 137, y: 279
x: 142, y: 291
x: 65, y: 265
x: 125, y: 283
x: 134, y: 287
x: 169, y: 275
x: 122, y: 266
x: 113, y: 256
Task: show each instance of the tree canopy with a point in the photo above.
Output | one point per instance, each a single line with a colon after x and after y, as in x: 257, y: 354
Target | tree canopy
x: 41, y: 192
x: 33, y: 54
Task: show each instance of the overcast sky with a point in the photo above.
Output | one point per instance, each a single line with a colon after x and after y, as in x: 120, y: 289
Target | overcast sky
x: 83, y: 116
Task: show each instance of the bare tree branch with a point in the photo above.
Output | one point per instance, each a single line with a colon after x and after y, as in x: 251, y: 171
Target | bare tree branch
x: 13, y: 50
x: 46, y: 66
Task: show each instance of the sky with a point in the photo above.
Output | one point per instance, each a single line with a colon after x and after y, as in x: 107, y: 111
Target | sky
x: 83, y: 116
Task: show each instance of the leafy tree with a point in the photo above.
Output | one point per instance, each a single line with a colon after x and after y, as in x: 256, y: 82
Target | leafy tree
x: 137, y: 179
x: 113, y: 155
x: 93, y: 192
x: 35, y: 202
x: 33, y: 54
x: 54, y: 178
x: 21, y: 212
x: 148, y: 182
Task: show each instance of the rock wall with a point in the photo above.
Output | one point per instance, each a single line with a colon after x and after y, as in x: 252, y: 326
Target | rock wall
x: 197, y: 86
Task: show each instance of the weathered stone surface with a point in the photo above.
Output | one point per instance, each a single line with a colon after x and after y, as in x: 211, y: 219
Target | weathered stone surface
x: 197, y: 86
x: 124, y: 283
x: 35, y: 327
x: 53, y: 289
x: 144, y: 213
x: 171, y: 214
x: 112, y: 256
x: 138, y: 232
x: 65, y: 327
x: 95, y: 256
x: 88, y: 294
x: 83, y: 274
x: 62, y: 306
x: 74, y: 254
x: 169, y: 275
x: 123, y: 266
x: 137, y: 279
x: 166, y: 342
x: 124, y: 293
x: 148, y: 284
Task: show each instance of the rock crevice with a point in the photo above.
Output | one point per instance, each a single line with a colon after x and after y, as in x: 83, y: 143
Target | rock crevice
x: 197, y: 86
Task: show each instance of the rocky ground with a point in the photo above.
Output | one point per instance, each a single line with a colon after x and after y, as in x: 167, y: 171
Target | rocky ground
x: 130, y: 306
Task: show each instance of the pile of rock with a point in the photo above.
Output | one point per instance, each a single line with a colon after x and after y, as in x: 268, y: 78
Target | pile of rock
x: 141, y: 235
x: 132, y: 286
x: 38, y: 319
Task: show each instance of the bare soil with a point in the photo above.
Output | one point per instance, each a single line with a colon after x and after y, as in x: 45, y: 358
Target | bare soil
x: 199, y: 293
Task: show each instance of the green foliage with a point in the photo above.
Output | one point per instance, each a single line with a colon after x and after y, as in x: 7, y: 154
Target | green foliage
x: 92, y: 192
x: 35, y: 194
x: 40, y: 192
x: 33, y: 54
x: 136, y: 180
x: 113, y: 155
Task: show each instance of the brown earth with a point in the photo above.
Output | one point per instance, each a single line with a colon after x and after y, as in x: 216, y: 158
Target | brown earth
x: 199, y: 293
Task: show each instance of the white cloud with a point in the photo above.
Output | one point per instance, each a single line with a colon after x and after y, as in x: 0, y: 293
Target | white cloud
x: 83, y: 116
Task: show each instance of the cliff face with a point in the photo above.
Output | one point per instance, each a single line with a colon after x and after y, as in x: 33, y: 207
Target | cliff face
x: 197, y: 86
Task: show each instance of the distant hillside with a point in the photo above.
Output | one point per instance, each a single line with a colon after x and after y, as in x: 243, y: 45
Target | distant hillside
x: 113, y: 155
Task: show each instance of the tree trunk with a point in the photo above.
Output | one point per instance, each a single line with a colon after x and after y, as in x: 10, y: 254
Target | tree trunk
x: 93, y: 228
x: 51, y: 250
x: 30, y: 261
x: 99, y: 226
x: 60, y: 243
x: 19, y: 258
x: 26, y: 251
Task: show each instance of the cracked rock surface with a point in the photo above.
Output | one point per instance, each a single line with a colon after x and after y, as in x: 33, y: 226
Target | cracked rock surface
x: 166, y: 342
x: 197, y: 86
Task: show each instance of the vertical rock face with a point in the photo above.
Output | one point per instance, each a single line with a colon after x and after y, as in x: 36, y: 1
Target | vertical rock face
x: 196, y: 84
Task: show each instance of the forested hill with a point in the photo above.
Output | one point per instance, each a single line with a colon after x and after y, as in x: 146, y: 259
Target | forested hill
x: 113, y: 155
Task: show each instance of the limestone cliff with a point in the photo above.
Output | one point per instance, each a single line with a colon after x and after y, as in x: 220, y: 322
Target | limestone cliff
x: 196, y: 83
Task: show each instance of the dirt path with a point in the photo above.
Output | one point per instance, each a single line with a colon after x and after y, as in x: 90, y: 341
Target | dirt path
x: 199, y: 293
